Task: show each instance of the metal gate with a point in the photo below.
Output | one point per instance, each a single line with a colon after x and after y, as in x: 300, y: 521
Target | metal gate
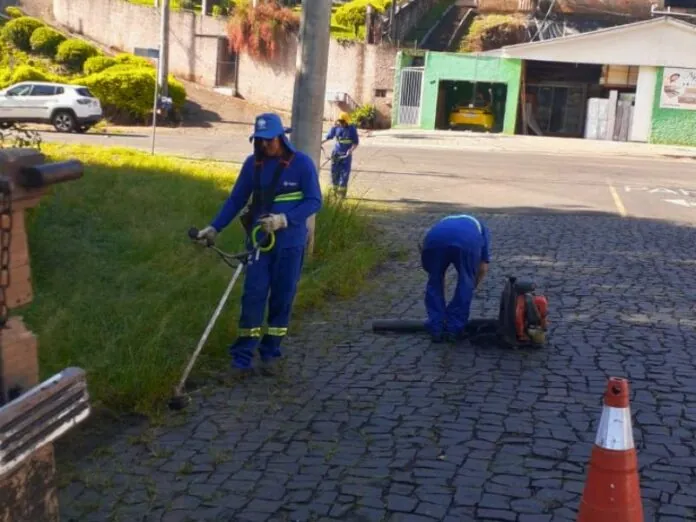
x: 410, y: 96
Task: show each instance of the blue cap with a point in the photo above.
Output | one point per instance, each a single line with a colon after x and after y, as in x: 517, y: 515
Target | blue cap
x: 268, y: 126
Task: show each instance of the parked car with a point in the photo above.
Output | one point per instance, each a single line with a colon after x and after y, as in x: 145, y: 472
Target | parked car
x: 69, y: 108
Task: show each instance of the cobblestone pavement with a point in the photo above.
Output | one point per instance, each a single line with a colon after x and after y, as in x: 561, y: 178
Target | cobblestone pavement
x: 363, y: 428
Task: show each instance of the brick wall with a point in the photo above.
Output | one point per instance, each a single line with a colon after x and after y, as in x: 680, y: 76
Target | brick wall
x: 638, y: 8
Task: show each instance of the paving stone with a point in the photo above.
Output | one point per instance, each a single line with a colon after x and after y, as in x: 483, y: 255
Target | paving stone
x: 394, y: 427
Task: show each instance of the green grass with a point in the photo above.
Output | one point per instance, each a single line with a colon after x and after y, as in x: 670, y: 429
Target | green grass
x: 120, y: 290
x: 429, y: 20
x: 490, y: 25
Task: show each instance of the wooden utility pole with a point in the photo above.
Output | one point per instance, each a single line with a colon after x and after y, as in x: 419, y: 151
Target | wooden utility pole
x: 310, y: 85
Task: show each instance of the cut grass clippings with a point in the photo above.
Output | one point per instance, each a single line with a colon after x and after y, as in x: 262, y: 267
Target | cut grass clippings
x: 121, y: 291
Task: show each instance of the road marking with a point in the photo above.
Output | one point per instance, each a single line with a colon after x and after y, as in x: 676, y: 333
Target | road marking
x: 617, y: 200
x: 682, y: 202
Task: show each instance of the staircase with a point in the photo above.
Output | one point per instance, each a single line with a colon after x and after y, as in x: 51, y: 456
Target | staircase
x: 441, y: 36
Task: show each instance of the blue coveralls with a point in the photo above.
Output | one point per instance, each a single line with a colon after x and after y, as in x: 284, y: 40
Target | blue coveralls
x: 463, y: 241
x: 345, y: 137
x: 298, y: 196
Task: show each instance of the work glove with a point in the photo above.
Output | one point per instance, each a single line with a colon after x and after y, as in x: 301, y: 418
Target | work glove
x: 208, y: 233
x: 273, y: 222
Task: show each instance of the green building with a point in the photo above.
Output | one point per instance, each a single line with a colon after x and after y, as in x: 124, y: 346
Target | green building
x: 634, y: 82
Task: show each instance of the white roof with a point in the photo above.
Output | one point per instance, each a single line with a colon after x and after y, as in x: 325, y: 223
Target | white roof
x: 657, y: 42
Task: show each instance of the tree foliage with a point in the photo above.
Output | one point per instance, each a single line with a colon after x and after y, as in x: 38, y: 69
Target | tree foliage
x: 261, y: 31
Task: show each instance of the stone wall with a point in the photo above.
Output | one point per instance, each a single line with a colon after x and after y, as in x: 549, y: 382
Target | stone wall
x: 637, y: 8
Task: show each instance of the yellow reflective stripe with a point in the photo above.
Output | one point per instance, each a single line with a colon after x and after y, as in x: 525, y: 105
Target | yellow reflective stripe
x: 290, y: 196
x: 345, y: 140
x: 278, y: 332
x: 250, y: 332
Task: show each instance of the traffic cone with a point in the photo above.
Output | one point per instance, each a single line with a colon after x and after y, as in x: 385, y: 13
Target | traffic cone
x: 612, y: 488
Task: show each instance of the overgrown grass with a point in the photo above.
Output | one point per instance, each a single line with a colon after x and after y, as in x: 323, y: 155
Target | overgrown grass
x: 123, y: 293
x: 491, y: 31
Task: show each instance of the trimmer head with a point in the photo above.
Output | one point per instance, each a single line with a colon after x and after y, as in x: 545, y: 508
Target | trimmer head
x: 179, y: 402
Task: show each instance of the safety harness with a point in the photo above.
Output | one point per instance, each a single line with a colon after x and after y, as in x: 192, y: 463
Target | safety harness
x: 262, y: 201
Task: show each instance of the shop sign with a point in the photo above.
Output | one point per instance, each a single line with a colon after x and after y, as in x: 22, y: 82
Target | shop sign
x: 678, y: 89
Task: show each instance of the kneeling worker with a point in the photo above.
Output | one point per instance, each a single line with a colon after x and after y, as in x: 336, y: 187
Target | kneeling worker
x: 462, y: 241
x: 287, y: 185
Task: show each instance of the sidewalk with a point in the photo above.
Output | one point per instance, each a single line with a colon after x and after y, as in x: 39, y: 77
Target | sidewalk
x: 452, y: 140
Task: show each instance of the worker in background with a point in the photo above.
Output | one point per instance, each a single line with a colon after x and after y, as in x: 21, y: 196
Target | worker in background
x: 283, y: 209
x: 462, y: 241
x: 346, y: 136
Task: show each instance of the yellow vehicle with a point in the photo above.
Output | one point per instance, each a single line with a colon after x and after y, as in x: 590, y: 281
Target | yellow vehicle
x: 478, y: 115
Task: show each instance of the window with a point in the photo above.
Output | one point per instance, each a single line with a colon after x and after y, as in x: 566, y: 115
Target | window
x: 20, y: 90
x: 60, y: 90
x: 380, y: 93
x: 82, y: 91
x: 43, y: 90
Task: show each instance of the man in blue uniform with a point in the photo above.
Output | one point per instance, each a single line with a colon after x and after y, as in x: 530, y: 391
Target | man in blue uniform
x: 347, y: 140
x: 462, y: 241
x: 287, y: 187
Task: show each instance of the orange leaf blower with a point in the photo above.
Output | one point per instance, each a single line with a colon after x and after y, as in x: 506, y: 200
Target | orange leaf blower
x: 523, y: 317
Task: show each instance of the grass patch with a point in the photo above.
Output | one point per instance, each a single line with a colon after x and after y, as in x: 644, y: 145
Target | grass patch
x: 120, y: 290
x: 428, y: 21
x: 492, y: 31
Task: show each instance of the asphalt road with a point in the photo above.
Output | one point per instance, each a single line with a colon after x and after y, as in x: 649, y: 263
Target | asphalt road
x: 362, y: 427
x: 639, y: 187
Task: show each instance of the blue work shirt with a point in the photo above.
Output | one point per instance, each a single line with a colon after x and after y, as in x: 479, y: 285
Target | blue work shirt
x: 345, y: 137
x: 462, y: 231
x: 298, y: 196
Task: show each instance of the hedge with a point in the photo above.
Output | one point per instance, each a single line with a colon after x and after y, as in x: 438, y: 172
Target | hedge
x: 14, y: 11
x: 18, y: 31
x: 131, y: 59
x: 74, y: 53
x: 353, y: 14
x: 96, y: 64
x: 46, y: 40
x: 129, y: 91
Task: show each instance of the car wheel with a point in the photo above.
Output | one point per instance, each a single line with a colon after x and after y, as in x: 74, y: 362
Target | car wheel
x: 83, y: 128
x: 63, y: 121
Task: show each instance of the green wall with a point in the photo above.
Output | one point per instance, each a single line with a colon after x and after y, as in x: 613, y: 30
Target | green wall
x: 403, y: 59
x: 462, y: 67
x: 671, y: 126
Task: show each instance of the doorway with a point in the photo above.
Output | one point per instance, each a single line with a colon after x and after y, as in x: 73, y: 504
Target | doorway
x: 477, y: 106
x: 559, y: 109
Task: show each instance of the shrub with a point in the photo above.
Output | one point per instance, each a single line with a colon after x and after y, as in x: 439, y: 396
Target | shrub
x: 128, y: 92
x: 18, y: 31
x: 352, y: 14
x: 14, y: 11
x: 46, y: 40
x: 27, y: 73
x: 493, y: 31
x: 364, y: 116
x: 96, y: 64
x: 131, y: 59
x: 261, y: 31
x: 73, y: 53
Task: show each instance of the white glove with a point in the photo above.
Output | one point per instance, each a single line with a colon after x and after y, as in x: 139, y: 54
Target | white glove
x: 273, y: 222
x: 208, y: 233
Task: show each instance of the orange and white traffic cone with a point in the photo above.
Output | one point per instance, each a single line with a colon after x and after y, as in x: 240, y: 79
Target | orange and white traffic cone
x: 612, y: 488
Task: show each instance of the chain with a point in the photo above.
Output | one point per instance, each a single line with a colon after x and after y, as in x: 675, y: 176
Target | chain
x: 5, y: 241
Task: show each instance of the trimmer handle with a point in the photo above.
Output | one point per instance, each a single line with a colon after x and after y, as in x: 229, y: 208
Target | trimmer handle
x: 193, y: 234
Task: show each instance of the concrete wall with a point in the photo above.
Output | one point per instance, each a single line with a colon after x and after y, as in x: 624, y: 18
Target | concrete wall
x: 671, y: 126
x: 39, y: 8
x: 354, y: 68
x: 459, y: 67
x: 123, y: 26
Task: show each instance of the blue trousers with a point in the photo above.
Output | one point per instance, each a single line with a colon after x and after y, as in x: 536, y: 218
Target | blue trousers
x: 277, y: 272
x: 451, y: 317
x: 340, y: 173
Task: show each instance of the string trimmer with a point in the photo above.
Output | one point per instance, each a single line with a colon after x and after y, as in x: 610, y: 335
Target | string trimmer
x: 180, y: 400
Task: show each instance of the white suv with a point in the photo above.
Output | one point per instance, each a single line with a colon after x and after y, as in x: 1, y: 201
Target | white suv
x: 67, y: 107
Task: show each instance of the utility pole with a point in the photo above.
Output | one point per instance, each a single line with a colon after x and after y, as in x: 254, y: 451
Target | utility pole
x: 310, y: 85
x: 164, y: 50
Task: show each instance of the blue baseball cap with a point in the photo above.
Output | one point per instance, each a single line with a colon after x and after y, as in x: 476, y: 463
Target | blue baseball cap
x: 268, y: 126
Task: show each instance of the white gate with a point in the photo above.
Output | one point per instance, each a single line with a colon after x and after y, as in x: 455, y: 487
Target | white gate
x: 410, y: 96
